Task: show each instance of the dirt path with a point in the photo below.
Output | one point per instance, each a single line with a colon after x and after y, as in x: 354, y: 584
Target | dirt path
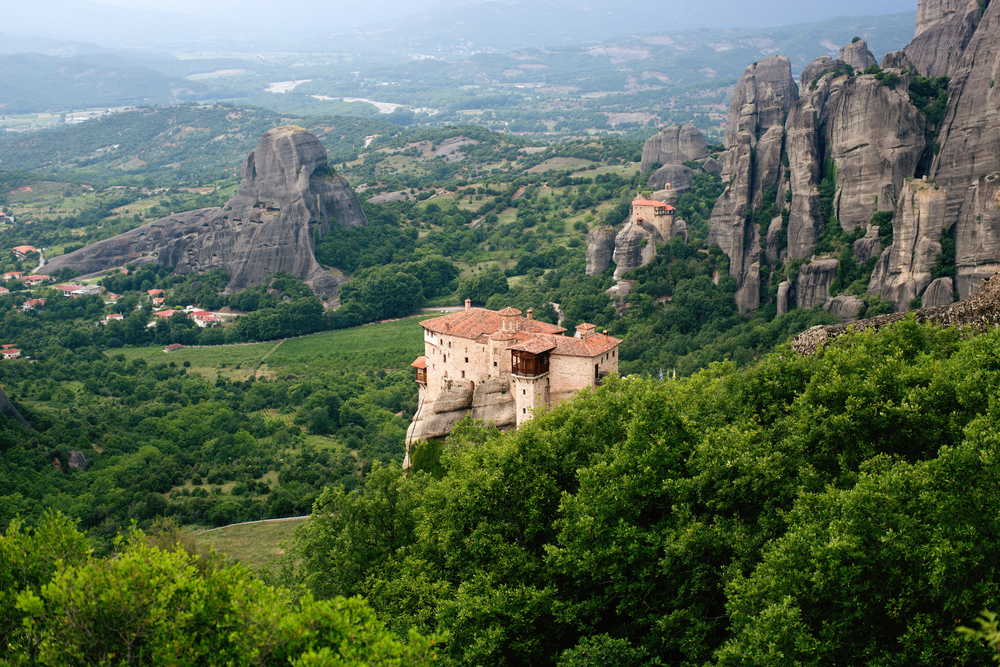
x: 247, y: 523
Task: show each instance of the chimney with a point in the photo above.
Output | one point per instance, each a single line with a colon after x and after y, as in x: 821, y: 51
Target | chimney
x: 468, y: 304
x: 531, y: 313
x: 584, y: 330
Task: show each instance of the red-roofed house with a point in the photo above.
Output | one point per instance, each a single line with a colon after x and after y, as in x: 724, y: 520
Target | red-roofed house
x: 158, y: 301
x: 154, y: 292
x: 112, y: 317
x: 501, y: 367
x: 13, y: 275
x: 22, y: 250
x: 67, y: 290
x: 166, y: 314
x: 36, y: 279
x: 31, y: 304
x: 10, y: 353
x: 4, y: 290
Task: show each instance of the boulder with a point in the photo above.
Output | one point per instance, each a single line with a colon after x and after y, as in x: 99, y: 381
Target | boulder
x: 77, y: 460
x: 904, y: 271
x: 857, y: 55
x: 674, y: 145
x: 711, y: 166
x: 944, y: 30
x: 427, y: 425
x: 286, y: 198
x: 677, y: 176
x: 940, y: 292
x: 600, y: 249
x: 845, y: 307
x: 812, y: 288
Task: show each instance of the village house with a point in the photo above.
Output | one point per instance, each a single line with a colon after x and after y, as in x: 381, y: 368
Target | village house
x: 10, y: 352
x: 481, y: 357
x: 13, y: 275
x: 154, y: 293
x: 36, y: 279
x: 112, y: 317
x: 158, y: 301
x: 3, y: 291
x: 32, y: 304
x: 22, y: 250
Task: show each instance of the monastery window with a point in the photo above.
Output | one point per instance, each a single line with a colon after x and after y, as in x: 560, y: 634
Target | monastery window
x: 494, y: 364
x: 524, y: 392
x: 463, y: 374
x: 466, y: 360
x: 524, y: 411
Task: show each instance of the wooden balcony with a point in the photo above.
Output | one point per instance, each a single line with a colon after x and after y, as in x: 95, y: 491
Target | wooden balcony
x: 528, y: 364
x: 421, y: 375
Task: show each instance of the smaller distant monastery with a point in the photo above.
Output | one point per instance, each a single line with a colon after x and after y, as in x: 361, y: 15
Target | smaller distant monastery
x: 501, y: 367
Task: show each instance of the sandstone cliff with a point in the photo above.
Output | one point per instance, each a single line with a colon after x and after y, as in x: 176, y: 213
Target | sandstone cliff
x: 286, y: 198
x: 944, y: 29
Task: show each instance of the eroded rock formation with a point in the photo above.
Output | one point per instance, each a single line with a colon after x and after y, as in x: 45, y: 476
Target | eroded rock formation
x: 286, y: 198
x: 600, y: 249
x: 674, y: 145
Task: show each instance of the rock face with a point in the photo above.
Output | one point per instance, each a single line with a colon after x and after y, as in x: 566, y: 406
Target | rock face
x: 286, y: 197
x: 677, y: 176
x: 904, y: 269
x: 674, y: 145
x: 600, y: 249
x: 748, y: 295
x: 763, y: 96
x: 944, y: 29
x: 857, y: 55
x: 969, y: 136
x: 977, y: 235
x: 813, y: 285
x: 817, y: 68
x: 491, y: 400
x: 940, y: 292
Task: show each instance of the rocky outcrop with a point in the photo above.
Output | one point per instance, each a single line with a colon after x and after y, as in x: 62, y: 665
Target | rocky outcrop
x: 977, y: 235
x: 674, y: 145
x: 677, y: 176
x: 857, y: 55
x: 940, y: 292
x: 767, y: 169
x: 867, y: 246
x: 944, y: 30
x: 763, y: 97
x: 8, y: 410
x: 635, y: 246
x: 816, y: 69
x: 812, y: 288
x: 665, y: 196
x: 600, y: 249
x: 773, y: 249
x: 729, y: 216
x: 782, y: 298
x: 680, y: 229
x: 980, y: 312
x: 904, y: 269
x: 286, y: 198
x: 748, y: 295
x: 77, y: 460
x: 845, y: 307
x: 491, y: 401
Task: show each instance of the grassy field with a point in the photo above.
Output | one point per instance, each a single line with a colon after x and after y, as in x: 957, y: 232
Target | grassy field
x: 236, y: 362
x: 367, y: 348
x: 255, y: 544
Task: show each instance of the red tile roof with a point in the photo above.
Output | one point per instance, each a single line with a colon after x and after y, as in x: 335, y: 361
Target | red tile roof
x: 650, y: 202
x: 477, y: 322
x: 536, y: 344
x: 420, y: 362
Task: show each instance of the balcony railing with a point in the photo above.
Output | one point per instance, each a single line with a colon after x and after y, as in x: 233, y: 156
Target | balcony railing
x: 531, y: 365
x: 421, y: 375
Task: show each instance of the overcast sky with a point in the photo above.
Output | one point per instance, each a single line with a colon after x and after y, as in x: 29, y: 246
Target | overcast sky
x: 341, y: 15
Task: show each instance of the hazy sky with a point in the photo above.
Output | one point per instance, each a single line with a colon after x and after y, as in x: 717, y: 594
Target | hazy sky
x: 340, y: 15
